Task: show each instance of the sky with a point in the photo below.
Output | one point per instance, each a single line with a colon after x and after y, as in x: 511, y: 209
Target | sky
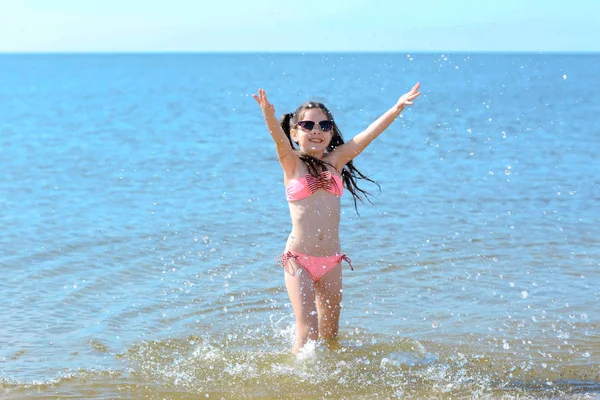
x: 299, y: 26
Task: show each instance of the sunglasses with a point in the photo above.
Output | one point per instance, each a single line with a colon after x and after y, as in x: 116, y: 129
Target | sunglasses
x: 309, y: 125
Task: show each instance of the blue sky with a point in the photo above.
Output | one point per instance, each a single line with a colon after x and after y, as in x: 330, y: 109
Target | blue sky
x: 309, y: 25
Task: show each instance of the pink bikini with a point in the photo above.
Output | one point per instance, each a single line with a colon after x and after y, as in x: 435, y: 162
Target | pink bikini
x: 301, y: 188
x: 316, y: 267
x: 298, y: 189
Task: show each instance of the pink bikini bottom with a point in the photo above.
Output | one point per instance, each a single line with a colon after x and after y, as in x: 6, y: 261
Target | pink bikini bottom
x: 317, y: 267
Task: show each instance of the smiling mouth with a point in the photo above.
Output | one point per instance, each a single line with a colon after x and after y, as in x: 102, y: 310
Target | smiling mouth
x: 316, y: 140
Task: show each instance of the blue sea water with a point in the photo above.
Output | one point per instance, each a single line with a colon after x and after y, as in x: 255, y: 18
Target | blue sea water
x: 142, y: 206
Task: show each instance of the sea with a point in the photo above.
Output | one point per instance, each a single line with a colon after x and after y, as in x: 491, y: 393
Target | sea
x: 142, y: 207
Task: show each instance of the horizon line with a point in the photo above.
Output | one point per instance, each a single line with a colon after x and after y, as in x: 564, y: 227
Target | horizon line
x: 272, y: 52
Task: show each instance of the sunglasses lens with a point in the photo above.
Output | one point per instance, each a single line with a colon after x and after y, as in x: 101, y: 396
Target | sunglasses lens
x: 308, y: 125
x: 326, y: 125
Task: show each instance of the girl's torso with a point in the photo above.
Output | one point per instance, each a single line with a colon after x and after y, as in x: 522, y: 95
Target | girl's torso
x: 315, y: 211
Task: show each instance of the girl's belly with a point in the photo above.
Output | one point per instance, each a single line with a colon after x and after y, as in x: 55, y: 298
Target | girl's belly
x: 315, y: 242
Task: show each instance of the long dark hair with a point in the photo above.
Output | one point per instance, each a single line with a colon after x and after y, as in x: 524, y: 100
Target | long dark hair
x: 315, y: 166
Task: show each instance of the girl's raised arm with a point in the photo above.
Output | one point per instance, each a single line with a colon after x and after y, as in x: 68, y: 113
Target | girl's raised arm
x: 282, y: 143
x: 348, y: 151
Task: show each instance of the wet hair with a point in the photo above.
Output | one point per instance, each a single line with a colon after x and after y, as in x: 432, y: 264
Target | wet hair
x: 350, y: 174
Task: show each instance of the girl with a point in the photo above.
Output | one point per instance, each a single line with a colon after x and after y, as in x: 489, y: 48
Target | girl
x: 314, y: 176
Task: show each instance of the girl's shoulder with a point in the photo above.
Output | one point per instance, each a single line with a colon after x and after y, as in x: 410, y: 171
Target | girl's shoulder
x: 295, y: 170
x: 332, y: 161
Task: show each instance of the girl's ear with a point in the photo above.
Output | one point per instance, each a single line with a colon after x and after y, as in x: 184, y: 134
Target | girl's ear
x: 294, y: 135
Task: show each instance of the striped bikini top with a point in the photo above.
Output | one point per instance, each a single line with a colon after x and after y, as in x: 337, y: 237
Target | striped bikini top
x: 303, y: 187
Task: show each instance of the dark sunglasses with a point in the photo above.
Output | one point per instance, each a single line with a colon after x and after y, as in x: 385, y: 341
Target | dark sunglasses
x: 309, y: 125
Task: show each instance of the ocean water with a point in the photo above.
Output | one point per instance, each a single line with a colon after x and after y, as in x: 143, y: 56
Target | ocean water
x: 142, y: 206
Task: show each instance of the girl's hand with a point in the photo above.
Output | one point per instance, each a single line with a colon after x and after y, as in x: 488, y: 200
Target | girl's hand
x: 265, y: 106
x: 407, y: 98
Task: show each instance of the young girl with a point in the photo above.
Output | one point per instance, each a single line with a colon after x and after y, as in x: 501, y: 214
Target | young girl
x: 314, y: 176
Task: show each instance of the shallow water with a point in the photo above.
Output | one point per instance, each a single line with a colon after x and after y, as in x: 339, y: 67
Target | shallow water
x: 143, y: 206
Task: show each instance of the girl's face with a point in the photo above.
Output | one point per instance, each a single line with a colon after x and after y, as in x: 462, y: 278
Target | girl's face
x: 313, y: 141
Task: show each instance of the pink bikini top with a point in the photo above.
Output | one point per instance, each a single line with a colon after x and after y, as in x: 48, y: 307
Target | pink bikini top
x: 301, y: 188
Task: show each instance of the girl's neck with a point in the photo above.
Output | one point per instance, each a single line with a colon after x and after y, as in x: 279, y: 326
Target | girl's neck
x: 318, y: 156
